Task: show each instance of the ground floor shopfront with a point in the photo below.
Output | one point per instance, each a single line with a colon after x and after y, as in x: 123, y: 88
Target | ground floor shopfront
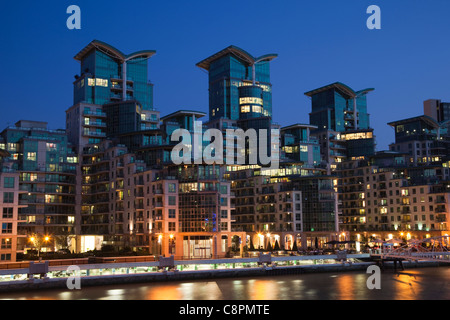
x: 292, y: 241
x: 199, y: 245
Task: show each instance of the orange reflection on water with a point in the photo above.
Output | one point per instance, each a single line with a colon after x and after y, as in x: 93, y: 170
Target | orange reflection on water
x: 345, y: 287
x: 406, y: 286
x: 167, y: 292
x: 263, y: 290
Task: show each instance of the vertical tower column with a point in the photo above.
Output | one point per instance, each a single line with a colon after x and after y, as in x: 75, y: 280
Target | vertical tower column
x: 124, y: 80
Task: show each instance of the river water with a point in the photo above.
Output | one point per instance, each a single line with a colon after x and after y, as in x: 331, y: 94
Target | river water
x: 411, y: 284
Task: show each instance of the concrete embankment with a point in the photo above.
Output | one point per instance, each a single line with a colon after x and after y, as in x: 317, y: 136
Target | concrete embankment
x: 61, y: 283
x: 161, y: 276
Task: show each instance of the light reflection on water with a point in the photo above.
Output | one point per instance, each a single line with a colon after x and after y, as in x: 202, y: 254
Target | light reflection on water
x: 413, y: 284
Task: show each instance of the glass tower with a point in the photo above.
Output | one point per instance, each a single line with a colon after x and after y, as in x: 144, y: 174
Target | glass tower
x: 334, y: 108
x: 230, y: 69
x: 108, y: 75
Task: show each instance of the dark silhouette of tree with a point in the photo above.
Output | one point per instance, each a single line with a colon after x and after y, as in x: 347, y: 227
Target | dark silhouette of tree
x: 294, y: 246
x: 251, y: 246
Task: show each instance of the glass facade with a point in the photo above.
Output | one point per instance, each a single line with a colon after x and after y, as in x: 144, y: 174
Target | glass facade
x: 102, y: 71
x: 229, y: 70
x: 333, y: 108
x: 46, y: 165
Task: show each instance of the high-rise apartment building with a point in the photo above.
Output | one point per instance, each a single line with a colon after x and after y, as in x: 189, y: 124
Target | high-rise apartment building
x: 47, y: 167
x: 298, y: 145
x: 10, y: 207
x: 436, y: 109
x: 114, y: 83
x: 293, y: 204
x: 342, y: 121
x: 383, y: 198
x: 230, y: 69
x: 422, y: 139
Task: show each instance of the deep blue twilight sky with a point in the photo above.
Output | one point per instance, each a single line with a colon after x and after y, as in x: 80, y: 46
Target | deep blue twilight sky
x: 318, y: 42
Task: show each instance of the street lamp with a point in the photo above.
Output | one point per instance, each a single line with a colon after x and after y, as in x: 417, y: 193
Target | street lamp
x: 38, y: 242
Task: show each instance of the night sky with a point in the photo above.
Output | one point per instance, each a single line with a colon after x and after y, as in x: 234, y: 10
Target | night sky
x: 318, y: 43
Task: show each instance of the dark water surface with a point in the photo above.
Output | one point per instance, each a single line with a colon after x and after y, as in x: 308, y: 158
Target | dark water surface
x: 411, y: 284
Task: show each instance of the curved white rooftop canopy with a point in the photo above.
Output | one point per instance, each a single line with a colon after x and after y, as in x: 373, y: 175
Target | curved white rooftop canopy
x: 346, y: 90
x: 113, y: 52
x: 239, y: 53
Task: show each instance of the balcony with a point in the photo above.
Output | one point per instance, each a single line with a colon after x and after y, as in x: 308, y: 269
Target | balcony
x: 94, y: 124
x: 94, y: 114
x: 440, y: 209
x: 94, y: 134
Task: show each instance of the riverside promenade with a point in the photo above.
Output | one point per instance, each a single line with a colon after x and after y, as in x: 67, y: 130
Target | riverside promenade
x: 41, y: 275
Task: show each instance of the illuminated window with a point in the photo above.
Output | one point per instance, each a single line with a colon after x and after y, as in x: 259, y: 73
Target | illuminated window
x: 303, y: 148
x: 101, y: 82
x: 12, y: 147
x: 91, y: 82
x: 31, y: 156
x: 357, y: 136
x: 51, y: 146
x: 251, y: 100
x: 245, y: 109
x: 257, y: 109
x: 288, y: 149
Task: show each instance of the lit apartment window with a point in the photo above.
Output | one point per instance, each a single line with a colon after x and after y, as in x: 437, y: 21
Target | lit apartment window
x: 6, y: 243
x: 31, y: 156
x: 257, y: 109
x: 172, y: 188
x: 245, y: 109
x: 12, y: 147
